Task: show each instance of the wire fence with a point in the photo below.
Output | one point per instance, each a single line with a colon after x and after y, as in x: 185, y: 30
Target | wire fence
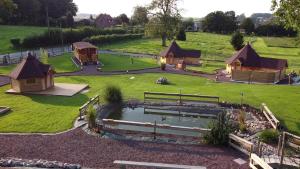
x: 16, y: 57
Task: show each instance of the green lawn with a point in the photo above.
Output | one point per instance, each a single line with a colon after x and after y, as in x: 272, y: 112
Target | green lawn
x: 284, y: 42
x: 61, y: 64
x: 207, y: 67
x: 215, y: 47
x: 9, y: 32
x: 122, y: 63
x: 53, y: 113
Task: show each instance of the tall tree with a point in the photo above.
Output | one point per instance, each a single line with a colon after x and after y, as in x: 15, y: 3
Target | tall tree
x: 220, y: 22
x: 140, y: 15
x: 288, y: 12
x: 7, y: 7
x: 237, y: 41
x: 168, y: 17
x: 188, y: 23
x: 104, y: 21
x: 28, y: 11
x: 121, y: 19
x: 248, y: 25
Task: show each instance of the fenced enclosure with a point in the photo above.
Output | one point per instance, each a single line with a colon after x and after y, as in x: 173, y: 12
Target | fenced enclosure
x: 179, y: 98
x: 256, y: 162
x: 95, y: 102
x: 241, y: 144
x: 289, y: 149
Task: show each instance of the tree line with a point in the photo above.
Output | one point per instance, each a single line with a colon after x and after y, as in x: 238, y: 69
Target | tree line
x: 38, y: 12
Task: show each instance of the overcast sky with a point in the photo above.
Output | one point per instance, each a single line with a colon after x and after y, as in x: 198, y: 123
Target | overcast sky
x: 191, y: 8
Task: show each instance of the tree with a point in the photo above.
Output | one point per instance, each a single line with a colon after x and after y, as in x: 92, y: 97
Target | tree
x: 69, y: 20
x: 237, y: 41
x: 288, y: 12
x: 140, y: 16
x: 121, y: 19
x: 188, y: 24
x: 28, y: 11
x: 7, y: 7
x: 168, y: 18
x: 220, y: 22
x: 248, y: 25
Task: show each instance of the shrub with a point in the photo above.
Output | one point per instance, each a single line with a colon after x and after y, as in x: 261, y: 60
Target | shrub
x: 269, y: 136
x: 162, y: 81
x: 242, y: 121
x: 15, y: 42
x: 163, y: 66
x: 237, y: 41
x: 91, y: 117
x: 181, y: 35
x: 220, y: 130
x: 113, y: 95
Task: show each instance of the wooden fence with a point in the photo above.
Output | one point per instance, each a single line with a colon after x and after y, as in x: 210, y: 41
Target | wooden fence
x: 241, y: 144
x: 84, y: 108
x: 256, y: 162
x: 179, y: 98
x: 269, y: 115
x: 288, y: 140
x: 109, y: 122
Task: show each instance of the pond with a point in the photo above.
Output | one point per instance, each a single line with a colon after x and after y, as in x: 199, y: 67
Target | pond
x: 174, y: 116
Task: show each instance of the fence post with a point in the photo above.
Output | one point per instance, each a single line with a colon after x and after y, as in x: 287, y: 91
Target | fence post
x: 279, y: 144
x: 282, y: 149
x: 154, y: 130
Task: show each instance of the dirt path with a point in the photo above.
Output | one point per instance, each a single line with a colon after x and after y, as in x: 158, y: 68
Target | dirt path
x: 89, y: 151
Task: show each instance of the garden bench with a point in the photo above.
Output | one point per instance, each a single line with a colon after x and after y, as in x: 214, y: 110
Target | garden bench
x: 123, y: 165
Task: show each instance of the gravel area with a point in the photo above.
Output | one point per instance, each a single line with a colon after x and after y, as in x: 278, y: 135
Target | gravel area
x: 89, y: 151
x: 4, y: 80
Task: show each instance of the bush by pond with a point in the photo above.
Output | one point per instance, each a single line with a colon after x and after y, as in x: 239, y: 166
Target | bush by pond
x: 113, y: 95
x: 220, y: 130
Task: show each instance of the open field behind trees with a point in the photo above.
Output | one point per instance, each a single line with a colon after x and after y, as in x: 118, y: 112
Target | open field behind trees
x: 61, y: 64
x: 217, y: 47
x: 9, y: 32
x: 34, y: 113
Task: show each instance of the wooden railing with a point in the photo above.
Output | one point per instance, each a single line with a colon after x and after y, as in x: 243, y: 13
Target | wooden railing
x: 92, y: 101
x: 270, y: 116
x: 110, y: 122
x: 257, y: 163
x: 179, y: 98
x: 124, y: 164
x: 241, y: 144
x: 287, y: 139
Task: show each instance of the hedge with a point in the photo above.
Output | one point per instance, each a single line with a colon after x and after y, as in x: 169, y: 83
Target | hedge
x: 55, y: 36
x: 102, y: 39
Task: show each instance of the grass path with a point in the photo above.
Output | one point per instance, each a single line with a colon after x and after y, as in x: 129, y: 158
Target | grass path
x: 54, y: 113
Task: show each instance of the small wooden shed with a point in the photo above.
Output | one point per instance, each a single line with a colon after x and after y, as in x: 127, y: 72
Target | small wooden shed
x: 31, y: 75
x: 174, y: 55
x: 85, y: 53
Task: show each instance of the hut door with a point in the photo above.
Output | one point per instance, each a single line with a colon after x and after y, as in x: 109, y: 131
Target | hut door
x: 89, y: 55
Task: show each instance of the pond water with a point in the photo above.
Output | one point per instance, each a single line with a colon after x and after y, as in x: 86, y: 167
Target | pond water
x: 163, y: 116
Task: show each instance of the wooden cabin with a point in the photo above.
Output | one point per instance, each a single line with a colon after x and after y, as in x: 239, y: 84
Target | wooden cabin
x: 173, y: 55
x: 247, y: 65
x: 31, y: 75
x: 85, y: 53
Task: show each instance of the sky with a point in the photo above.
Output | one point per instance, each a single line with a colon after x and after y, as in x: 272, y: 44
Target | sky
x: 190, y: 8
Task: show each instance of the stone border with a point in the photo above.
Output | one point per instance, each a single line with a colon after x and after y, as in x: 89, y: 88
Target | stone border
x: 15, y: 162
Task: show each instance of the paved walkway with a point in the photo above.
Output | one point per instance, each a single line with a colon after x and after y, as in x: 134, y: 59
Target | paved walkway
x: 79, y: 148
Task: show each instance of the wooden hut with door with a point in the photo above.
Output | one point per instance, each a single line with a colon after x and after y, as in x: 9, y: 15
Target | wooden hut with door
x: 31, y: 75
x: 85, y: 53
x: 174, y: 55
x: 247, y: 65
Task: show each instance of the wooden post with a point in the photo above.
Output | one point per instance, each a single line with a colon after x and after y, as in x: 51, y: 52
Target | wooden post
x: 282, y: 149
x: 154, y: 132
x: 279, y: 144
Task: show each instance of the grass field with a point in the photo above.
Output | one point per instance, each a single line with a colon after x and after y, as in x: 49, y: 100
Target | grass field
x: 123, y: 63
x: 53, y: 113
x: 9, y: 32
x: 283, y: 42
x: 61, y: 64
x: 217, y: 47
x: 207, y: 67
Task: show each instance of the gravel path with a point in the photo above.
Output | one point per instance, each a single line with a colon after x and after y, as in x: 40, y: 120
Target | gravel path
x: 89, y: 151
x: 4, y: 80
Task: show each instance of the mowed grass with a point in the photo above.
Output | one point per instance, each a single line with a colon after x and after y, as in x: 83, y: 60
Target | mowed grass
x: 123, y: 63
x: 61, y: 64
x: 52, y: 113
x: 209, y: 67
x: 285, y: 42
x: 214, y: 47
x: 20, y: 32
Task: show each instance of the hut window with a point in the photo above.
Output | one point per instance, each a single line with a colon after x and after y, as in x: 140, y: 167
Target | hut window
x: 30, y: 81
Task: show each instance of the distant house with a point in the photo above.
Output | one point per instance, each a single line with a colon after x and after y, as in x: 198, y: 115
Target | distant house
x: 31, y: 75
x: 247, y: 65
x: 174, y: 55
x: 85, y: 52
